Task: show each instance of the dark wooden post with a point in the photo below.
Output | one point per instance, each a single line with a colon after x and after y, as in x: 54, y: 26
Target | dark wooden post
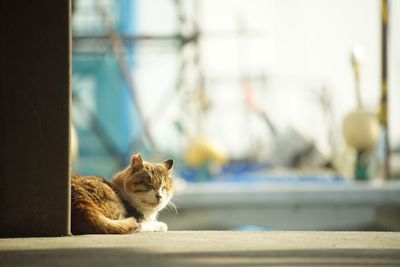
x: 34, y: 117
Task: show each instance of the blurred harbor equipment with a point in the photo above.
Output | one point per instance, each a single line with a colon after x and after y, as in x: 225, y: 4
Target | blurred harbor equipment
x: 361, y: 127
x: 251, y: 115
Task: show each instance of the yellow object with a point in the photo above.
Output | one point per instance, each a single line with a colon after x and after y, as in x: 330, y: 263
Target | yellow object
x: 361, y: 129
x: 74, y: 147
x: 383, y: 116
x: 203, y: 150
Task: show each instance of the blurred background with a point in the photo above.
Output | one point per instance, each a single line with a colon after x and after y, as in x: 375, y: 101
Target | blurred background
x: 279, y: 115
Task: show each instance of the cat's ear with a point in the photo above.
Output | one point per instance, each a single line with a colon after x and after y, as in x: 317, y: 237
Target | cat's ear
x: 168, y: 164
x: 136, y: 162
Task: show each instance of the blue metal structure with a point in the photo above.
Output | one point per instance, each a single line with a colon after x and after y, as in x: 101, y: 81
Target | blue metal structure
x: 103, y: 109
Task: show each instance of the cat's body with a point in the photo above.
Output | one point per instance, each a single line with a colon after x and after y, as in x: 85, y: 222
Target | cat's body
x: 128, y: 204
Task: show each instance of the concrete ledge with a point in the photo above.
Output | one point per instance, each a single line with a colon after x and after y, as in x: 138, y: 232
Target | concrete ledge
x: 207, y: 248
x: 302, y: 207
x: 228, y: 195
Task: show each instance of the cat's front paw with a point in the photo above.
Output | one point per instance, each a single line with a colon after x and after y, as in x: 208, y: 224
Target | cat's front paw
x: 153, y: 227
x: 161, y: 227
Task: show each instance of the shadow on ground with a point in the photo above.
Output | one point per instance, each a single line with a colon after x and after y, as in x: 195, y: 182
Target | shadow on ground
x: 126, y: 256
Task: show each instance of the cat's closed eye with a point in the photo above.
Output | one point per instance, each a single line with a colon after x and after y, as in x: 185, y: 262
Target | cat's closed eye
x: 142, y: 188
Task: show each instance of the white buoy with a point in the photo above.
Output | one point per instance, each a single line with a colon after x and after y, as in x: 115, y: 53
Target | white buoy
x: 361, y: 129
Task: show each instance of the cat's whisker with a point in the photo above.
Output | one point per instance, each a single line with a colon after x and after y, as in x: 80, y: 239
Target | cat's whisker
x: 170, y: 209
x: 173, y: 207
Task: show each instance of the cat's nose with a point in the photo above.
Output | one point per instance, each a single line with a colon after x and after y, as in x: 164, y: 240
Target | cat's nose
x: 158, y: 196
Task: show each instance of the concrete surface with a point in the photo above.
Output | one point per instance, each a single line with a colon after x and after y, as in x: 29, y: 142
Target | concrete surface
x: 206, y: 248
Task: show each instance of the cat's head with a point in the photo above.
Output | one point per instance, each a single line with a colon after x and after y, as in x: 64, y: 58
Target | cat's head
x: 148, y: 186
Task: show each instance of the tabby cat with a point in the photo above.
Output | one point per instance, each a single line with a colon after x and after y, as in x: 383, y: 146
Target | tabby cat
x: 128, y: 204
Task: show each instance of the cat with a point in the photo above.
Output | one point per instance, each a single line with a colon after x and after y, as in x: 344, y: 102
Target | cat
x: 128, y: 204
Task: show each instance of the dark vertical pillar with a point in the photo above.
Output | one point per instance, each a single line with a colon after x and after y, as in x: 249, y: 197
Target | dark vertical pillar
x: 34, y: 117
x: 383, y: 112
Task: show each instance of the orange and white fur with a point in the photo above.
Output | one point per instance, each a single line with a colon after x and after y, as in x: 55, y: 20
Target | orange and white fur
x: 129, y: 203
